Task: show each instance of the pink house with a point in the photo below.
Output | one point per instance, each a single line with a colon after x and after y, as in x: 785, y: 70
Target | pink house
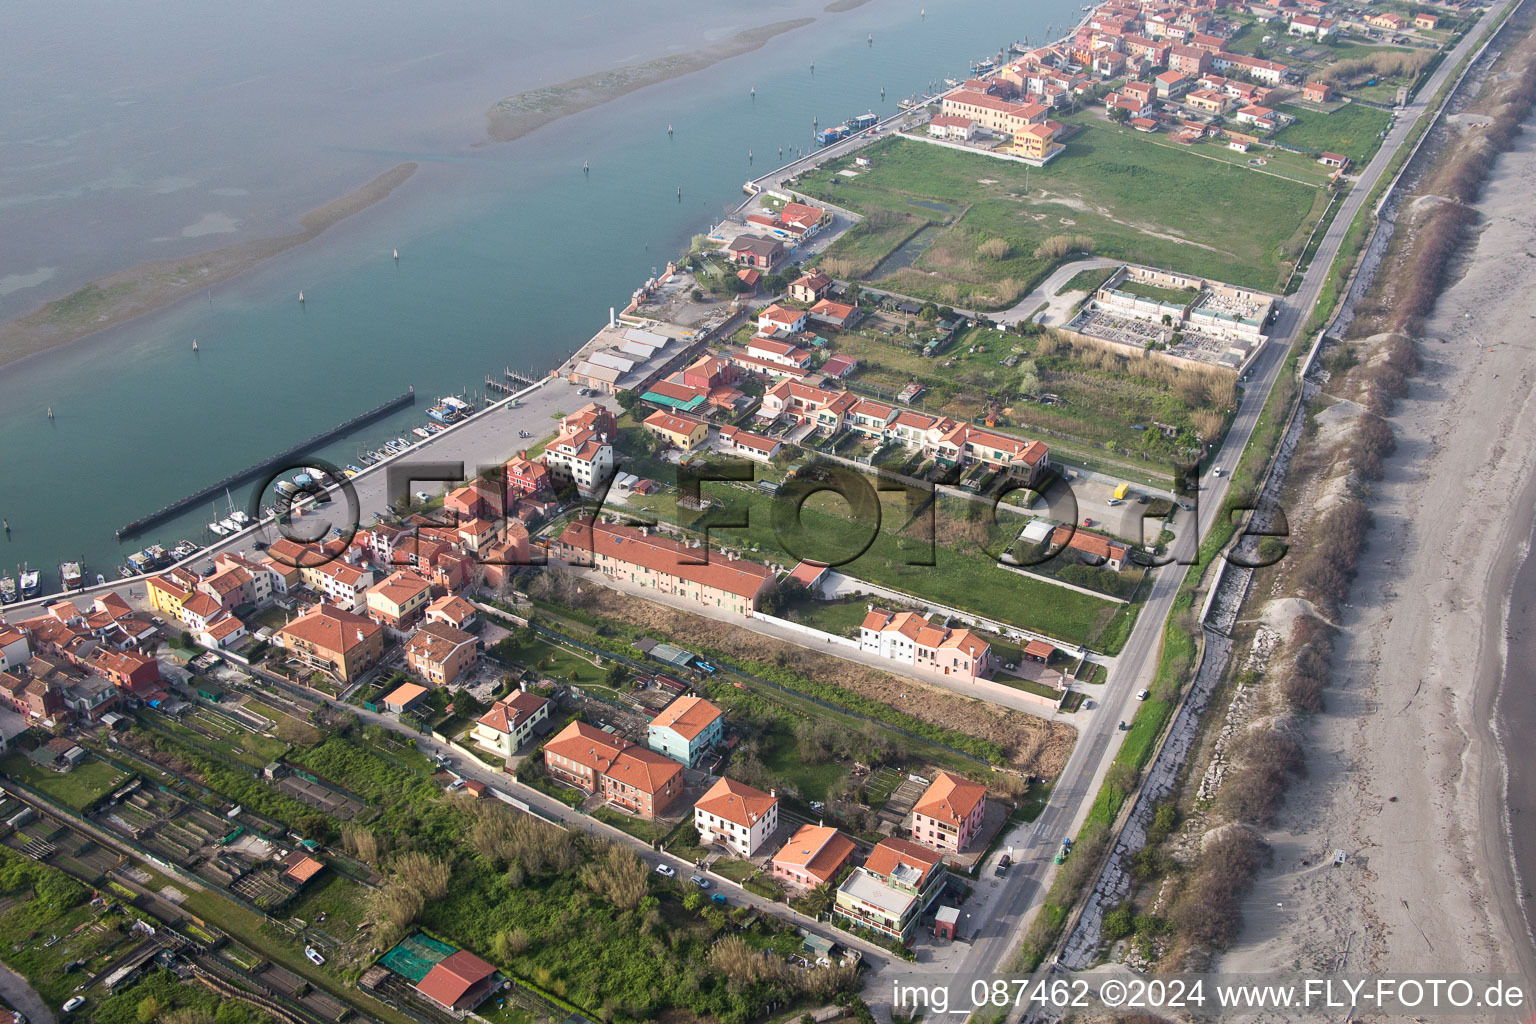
x: 813, y: 856
x: 949, y: 814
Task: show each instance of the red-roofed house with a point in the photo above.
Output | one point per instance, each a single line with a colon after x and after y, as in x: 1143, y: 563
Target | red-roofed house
x: 839, y: 367
x: 635, y: 555
x: 835, y: 314
x: 511, y: 722
x: 1092, y: 548
x: 736, y: 815
x: 813, y: 856
x: 749, y: 445
x: 625, y: 774
x: 458, y: 982
x: 686, y: 730
x: 1317, y: 92
x: 909, y: 639
x: 808, y: 288
x: 948, y: 815
x: 810, y: 575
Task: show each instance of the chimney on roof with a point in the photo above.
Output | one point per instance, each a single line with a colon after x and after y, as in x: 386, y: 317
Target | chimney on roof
x: 773, y: 793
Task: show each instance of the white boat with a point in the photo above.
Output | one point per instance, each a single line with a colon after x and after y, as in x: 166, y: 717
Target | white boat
x: 240, y: 517
x: 217, y: 529
x: 7, y: 590
x: 101, y: 580
x: 420, y: 432
x: 71, y: 575
x: 30, y: 583
x: 230, y: 525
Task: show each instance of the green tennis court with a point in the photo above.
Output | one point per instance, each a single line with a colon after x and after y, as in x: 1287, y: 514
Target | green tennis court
x: 414, y: 956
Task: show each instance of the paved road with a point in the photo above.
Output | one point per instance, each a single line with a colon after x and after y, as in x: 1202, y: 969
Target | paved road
x: 24, y: 997
x: 999, y: 933
x: 470, y: 767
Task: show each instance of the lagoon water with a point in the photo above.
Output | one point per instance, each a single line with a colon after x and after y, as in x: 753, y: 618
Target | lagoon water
x: 187, y: 127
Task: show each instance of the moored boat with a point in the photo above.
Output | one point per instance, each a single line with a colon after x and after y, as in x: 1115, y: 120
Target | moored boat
x: 31, y: 582
x: 420, y: 432
x: 7, y: 590
x: 72, y: 574
x: 217, y: 529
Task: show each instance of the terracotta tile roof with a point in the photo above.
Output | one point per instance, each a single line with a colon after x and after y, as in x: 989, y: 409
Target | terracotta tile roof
x: 1039, y: 649
x: 510, y: 712
x: 736, y: 802
x: 405, y: 693
x: 331, y: 629
x: 1088, y: 543
x: 453, y: 977
x: 453, y: 607
x: 628, y: 544
x: 818, y: 849
x: 436, y: 641
x: 300, y: 867
x: 891, y: 853
x: 950, y: 799
x: 586, y: 745
x: 682, y: 426
x: 807, y: 573
x: 201, y: 605
x: 646, y: 770
x: 687, y: 716
x: 400, y: 586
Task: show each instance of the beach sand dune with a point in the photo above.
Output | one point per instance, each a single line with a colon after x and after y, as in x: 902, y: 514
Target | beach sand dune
x: 1405, y: 767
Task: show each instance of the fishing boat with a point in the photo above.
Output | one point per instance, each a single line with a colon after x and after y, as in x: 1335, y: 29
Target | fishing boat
x: 31, y: 582
x: 158, y: 555
x: 141, y: 562
x: 7, y: 590
x: 72, y: 574
x: 420, y: 432
x: 285, y: 488
x: 126, y: 573
x: 353, y: 470
x: 183, y: 549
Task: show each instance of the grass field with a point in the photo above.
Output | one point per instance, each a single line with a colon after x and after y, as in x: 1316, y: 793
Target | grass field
x: 1353, y: 130
x: 76, y: 789
x: 1131, y: 197
x: 1176, y: 296
x: 1096, y: 409
x: 962, y: 578
x: 1086, y: 280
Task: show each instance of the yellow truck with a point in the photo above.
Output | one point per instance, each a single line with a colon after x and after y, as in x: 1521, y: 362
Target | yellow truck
x: 1122, y: 491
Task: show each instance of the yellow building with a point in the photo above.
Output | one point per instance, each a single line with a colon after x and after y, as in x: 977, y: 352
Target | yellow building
x: 1036, y: 142
x: 683, y: 432
x: 169, y: 591
x: 399, y: 599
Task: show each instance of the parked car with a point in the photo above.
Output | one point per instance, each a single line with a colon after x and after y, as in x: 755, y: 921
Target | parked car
x: 666, y: 870
x: 700, y: 881
x: 1087, y: 522
x: 74, y: 1004
x: 1143, y: 694
x: 1113, y: 502
x: 1142, y: 499
x: 719, y: 898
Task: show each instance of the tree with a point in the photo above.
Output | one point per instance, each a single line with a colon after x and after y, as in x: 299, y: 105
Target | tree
x: 626, y: 400
x: 150, y: 1009
x: 1119, y: 115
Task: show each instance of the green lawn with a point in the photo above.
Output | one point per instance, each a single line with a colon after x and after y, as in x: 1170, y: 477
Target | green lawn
x: 1132, y: 197
x: 1353, y: 130
x: 76, y: 789
x: 643, y: 829
x: 840, y: 618
x: 1086, y: 280
x: 962, y: 578
x: 1173, y: 296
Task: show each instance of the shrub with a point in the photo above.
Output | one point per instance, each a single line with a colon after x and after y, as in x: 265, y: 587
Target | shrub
x: 1117, y: 924
x: 995, y: 248
x: 1207, y: 912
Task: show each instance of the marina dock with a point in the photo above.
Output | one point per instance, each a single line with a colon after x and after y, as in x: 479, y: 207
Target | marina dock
x: 212, y: 490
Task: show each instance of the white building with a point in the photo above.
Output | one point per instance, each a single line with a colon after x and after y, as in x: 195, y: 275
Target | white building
x: 737, y: 816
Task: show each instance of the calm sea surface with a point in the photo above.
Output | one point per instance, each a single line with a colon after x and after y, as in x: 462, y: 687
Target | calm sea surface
x: 186, y: 127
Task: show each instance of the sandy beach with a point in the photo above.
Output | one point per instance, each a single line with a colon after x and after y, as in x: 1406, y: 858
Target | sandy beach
x: 120, y: 297
x: 1406, y: 769
x: 516, y: 116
